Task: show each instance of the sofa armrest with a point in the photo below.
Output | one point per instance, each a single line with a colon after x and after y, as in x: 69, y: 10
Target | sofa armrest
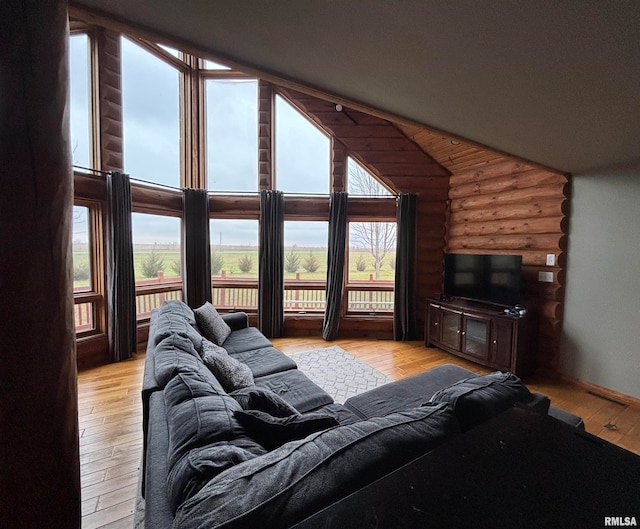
x: 538, y: 402
x: 236, y: 320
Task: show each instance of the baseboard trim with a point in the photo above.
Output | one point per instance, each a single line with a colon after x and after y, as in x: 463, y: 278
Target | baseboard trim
x: 605, y: 393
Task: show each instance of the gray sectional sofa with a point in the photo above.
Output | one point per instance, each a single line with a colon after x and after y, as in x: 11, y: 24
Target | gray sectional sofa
x: 258, y: 444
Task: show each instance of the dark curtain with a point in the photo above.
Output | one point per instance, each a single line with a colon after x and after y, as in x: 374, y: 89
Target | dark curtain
x: 404, y: 313
x: 196, y: 269
x: 271, y: 273
x: 335, y: 264
x: 121, y: 288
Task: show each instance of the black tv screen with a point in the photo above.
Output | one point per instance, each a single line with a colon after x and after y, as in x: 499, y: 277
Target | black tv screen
x: 491, y: 278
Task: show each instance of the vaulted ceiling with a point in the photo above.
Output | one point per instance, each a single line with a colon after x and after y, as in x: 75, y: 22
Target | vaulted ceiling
x: 556, y: 83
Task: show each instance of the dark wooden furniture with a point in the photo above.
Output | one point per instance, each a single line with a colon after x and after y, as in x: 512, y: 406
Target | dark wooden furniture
x: 482, y: 333
x: 520, y: 469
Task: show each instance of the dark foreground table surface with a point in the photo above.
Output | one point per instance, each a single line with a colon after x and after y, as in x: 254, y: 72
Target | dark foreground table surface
x: 520, y: 470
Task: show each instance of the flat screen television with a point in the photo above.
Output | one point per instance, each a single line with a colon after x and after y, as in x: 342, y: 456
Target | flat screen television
x: 490, y: 278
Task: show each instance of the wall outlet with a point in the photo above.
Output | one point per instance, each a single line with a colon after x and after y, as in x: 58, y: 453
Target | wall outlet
x: 551, y: 259
x: 545, y: 277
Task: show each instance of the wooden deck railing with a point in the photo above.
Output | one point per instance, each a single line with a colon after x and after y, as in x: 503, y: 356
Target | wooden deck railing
x: 242, y: 295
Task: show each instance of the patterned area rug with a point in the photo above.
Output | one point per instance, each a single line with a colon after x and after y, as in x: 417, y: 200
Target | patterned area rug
x: 334, y: 370
x: 339, y: 373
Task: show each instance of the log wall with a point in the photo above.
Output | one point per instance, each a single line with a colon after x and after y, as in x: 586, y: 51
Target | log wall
x: 514, y: 208
x: 109, y: 97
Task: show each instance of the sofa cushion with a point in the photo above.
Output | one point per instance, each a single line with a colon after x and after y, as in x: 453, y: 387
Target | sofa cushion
x: 231, y: 373
x: 407, y: 393
x: 263, y: 399
x: 477, y: 399
x: 246, y: 339
x: 200, y: 465
x: 213, y: 327
x: 339, y: 412
x: 175, y: 306
x: 264, y: 360
x: 280, y: 488
x: 296, y: 388
x: 168, y: 323
x: 176, y: 354
x: 200, y: 417
x: 272, y: 432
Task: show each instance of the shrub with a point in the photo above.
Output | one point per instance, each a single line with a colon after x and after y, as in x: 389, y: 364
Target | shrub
x: 176, y: 267
x: 152, y: 264
x: 81, y: 271
x: 245, y: 263
x: 361, y: 264
x: 217, y: 262
x: 311, y: 264
x: 292, y: 261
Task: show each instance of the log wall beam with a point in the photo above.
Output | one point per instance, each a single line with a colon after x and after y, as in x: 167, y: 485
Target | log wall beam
x: 39, y: 454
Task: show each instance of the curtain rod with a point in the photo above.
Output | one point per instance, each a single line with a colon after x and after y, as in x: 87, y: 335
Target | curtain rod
x: 140, y: 181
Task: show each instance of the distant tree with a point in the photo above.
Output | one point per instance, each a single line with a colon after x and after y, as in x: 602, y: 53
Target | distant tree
x: 292, y: 261
x: 176, y: 267
x: 217, y: 262
x: 245, y: 263
x: 152, y: 263
x: 81, y: 271
x: 377, y: 237
x: 311, y: 263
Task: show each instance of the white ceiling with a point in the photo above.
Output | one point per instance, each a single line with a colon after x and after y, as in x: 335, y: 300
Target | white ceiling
x: 553, y: 81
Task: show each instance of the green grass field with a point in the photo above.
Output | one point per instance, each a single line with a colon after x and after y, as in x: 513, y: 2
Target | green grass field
x: 231, y: 264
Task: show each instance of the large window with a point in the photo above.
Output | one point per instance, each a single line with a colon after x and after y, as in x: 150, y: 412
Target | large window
x: 371, y: 276
x: 232, y: 134
x: 151, y: 116
x: 305, y: 265
x: 157, y: 260
x: 234, y: 263
x: 302, y: 152
x: 79, y: 99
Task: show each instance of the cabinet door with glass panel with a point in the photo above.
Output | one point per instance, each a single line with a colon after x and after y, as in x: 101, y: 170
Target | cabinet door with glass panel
x: 475, y: 336
x: 450, y: 330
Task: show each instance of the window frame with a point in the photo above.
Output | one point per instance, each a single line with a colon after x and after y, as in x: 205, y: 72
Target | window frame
x: 364, y: 285
x: 96, y: 295
x: 312, y: 285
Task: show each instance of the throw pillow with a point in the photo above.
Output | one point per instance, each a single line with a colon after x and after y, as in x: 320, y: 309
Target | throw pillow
x: 229, y: 372
x: 211, y: 324
x: 272, y: 432
x: 263, y: 399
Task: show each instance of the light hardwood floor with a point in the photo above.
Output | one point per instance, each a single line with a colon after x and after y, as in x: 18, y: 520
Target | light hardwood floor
x: 110, y: 417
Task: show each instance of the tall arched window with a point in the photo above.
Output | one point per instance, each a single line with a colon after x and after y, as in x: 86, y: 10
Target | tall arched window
x: 151, y: 116
x: 302, y: 152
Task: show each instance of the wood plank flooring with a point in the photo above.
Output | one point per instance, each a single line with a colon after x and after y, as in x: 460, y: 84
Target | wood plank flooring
x: 110, y: 417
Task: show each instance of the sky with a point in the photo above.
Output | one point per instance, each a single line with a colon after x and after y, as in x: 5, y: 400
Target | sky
x: 151, y: 129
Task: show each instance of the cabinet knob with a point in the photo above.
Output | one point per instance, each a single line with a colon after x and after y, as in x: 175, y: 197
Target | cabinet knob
x: 462, y: 333
x: 435, y: 324
x: 495, y: 341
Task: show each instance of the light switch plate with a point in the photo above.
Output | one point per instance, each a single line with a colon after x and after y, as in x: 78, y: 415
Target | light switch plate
x: 551, y: 259
x: 545, y: 277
